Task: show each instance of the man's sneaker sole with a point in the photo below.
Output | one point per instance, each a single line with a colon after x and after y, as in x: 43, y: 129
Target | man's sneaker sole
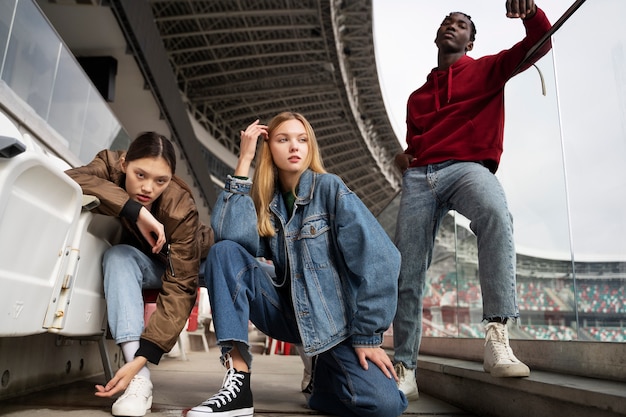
x: 518, y: 370
x: 243, y: 412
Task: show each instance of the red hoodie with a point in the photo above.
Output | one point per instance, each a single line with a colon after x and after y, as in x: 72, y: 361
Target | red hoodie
x: 458, y: 114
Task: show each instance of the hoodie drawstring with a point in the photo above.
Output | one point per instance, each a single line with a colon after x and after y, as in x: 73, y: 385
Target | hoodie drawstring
x: 436, y: 80
x: 449, y: 83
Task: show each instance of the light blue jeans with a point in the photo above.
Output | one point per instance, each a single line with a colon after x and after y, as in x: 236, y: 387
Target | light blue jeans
x: 428, y: 193
x: 240, y: 290
x: 127, y: 271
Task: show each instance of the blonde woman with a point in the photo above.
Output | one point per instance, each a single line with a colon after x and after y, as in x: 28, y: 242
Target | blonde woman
x: 335, y: 287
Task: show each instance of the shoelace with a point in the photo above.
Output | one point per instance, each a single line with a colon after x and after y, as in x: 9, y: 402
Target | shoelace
x: 230, y: 387
x: 137, y: 387
x: 496, y: 333
x: 400, y: 371
x: 500, y: 348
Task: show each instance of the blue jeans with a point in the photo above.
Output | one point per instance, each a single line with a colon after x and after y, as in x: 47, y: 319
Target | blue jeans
x: 127, y: 271
x: 240, y: 290
x: 428, y: 193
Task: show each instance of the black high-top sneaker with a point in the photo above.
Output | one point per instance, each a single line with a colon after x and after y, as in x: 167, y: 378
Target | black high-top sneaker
x: 234, y: 399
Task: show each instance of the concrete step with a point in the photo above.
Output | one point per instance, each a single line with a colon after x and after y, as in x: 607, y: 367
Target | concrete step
x: 466, y: 385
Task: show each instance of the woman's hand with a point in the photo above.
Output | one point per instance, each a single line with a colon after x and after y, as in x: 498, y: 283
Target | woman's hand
x: 151, y: 229
x: 378, y: 357
x: 122, y: 378
x: 247, y: 147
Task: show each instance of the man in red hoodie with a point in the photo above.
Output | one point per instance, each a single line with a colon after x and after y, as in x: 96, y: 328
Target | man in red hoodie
x: 455, y: 125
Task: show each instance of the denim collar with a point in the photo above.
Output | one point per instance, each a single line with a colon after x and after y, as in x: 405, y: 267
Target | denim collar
x: 306, y: 186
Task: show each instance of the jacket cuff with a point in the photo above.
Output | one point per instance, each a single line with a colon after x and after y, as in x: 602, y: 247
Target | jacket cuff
x: 131, y: 210
x: 150, y: 351
x: 367, y: 341
x: 237, y: 185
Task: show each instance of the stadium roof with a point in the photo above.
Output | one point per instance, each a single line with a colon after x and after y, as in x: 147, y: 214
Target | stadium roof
x: 236, y: 61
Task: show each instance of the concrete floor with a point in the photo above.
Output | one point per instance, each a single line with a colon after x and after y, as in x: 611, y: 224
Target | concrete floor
x: 180, y: 385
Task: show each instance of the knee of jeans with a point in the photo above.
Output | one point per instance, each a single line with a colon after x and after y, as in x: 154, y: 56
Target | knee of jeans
x: 117, y: 252
x: 222, y: 251
x: 392, y: 405
x: 383, y: 399
x: 385, y: 405
x: 116, y: 265
x: 493, y: 215
x: 221, y: 247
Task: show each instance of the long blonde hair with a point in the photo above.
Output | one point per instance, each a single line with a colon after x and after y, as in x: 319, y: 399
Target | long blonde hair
x: 265, y: 175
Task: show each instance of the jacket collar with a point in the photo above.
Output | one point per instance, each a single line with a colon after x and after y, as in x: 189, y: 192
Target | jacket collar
x: 306, y: 187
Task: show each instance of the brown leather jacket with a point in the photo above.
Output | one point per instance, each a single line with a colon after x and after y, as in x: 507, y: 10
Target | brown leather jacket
x: 188, y: 238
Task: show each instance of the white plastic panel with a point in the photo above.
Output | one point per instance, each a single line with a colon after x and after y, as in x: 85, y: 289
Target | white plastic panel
x: 81, y: 308
x: 39, y: 208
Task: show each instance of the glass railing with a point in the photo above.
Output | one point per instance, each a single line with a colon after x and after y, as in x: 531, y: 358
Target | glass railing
x: 564, y: 174
x: 562, y: 170
x: 43, y: 73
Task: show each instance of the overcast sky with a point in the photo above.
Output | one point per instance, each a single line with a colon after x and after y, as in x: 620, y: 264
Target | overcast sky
x: 590, y: 66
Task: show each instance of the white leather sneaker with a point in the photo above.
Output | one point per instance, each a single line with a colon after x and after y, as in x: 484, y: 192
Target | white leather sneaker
x: 136, y: 400
x: 406, y: 382
x: 499, y: 359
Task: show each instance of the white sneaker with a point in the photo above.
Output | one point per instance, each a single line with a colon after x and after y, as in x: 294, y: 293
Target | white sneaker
x: 406, y: 382
x: 136, y: 400
x: 499, y: 359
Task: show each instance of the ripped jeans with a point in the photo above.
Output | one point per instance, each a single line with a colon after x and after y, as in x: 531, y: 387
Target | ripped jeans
x: 428, y: 193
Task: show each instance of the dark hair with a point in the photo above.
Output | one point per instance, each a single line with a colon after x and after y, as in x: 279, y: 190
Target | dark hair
x: 152, y: 145
x: 473, y: 32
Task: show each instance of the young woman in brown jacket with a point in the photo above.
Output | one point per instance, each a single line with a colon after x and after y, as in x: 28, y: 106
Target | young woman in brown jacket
x: 162, y: 244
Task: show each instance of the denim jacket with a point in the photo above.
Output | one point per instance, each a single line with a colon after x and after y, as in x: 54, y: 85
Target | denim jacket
x: 343, y: 267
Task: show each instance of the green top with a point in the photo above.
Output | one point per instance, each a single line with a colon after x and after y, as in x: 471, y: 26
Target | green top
x: 290, y: 200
